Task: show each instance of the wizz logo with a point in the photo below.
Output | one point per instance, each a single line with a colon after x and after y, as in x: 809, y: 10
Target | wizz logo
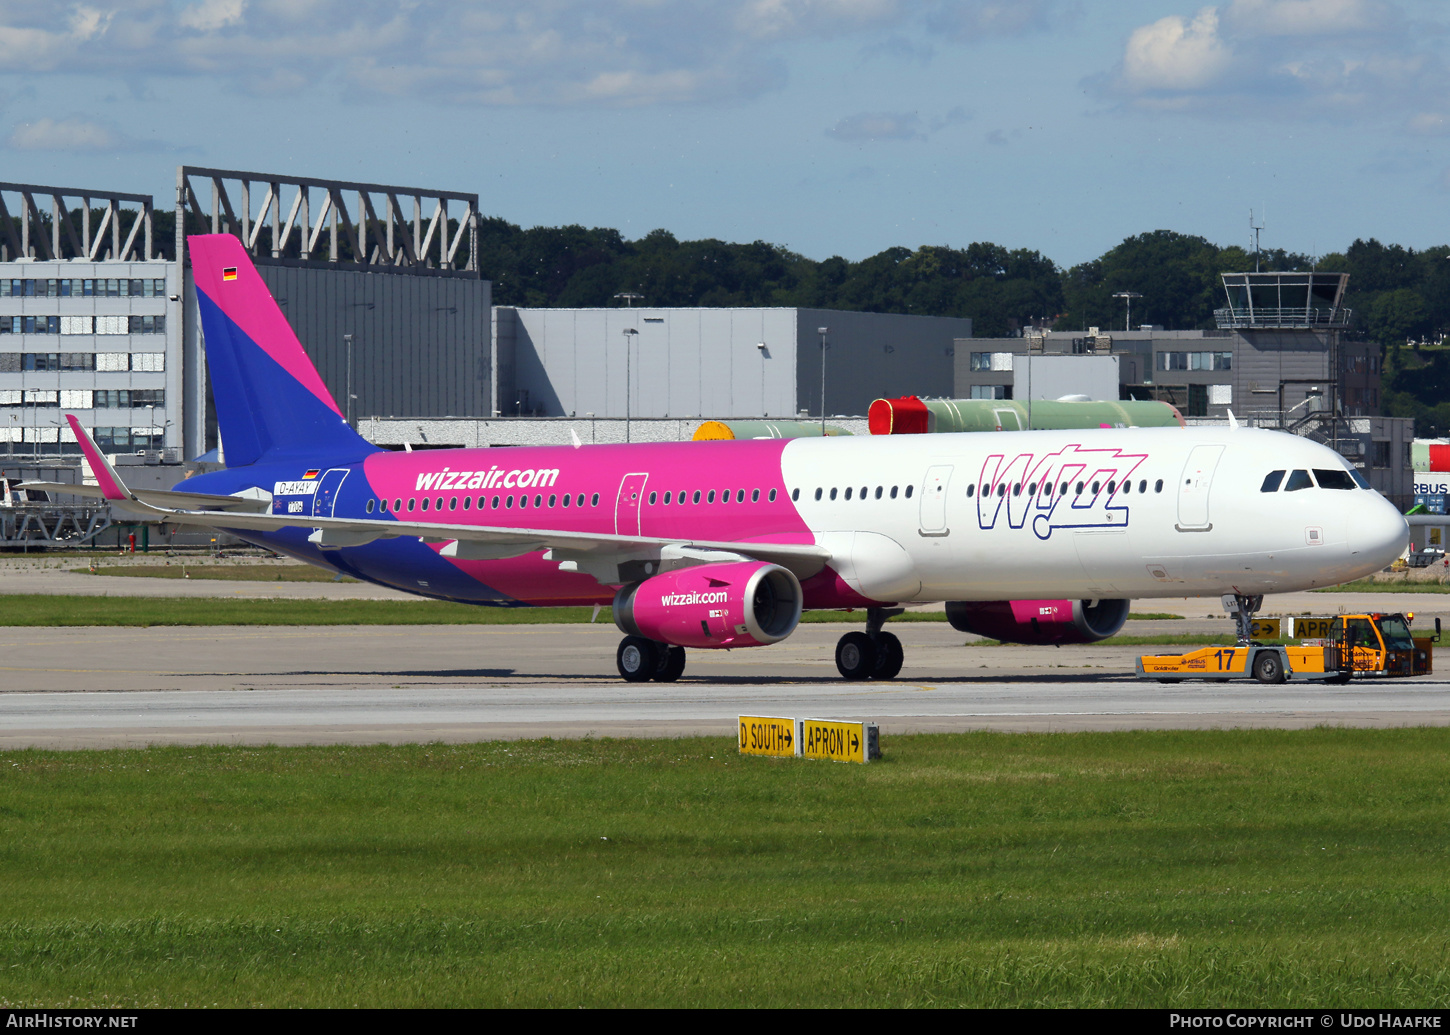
x: 1072, y: 488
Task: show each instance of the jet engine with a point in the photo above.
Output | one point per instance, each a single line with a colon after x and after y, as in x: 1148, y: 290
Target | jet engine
x: 1039, y: 621
x: 729, y: 604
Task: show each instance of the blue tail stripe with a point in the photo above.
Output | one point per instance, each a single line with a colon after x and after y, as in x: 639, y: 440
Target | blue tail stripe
x: 262, y: 410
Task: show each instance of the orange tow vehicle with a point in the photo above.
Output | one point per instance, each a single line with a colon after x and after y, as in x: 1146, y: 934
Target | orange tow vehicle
x: 1332, y: 649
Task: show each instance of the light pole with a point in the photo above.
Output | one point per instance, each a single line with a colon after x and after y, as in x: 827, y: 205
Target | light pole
x: 347, y: 340
x: 1128, y: 296
x: 822, y: 332
x: 629, y: 334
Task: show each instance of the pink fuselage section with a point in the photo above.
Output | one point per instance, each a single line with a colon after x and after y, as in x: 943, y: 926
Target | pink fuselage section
x: 723, y: 492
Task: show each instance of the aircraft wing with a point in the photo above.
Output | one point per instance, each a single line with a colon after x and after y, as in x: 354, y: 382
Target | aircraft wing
x: 157, y: 497
x: 599, y: 554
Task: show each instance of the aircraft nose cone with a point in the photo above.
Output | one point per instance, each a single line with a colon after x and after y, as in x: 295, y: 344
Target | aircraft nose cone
x: 1380, y: 533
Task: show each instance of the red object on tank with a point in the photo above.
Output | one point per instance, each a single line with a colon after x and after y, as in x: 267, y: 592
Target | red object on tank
x: 1439, y: 458
x: 905, y: 416
x: 1039, y: 621
x: 734, y: 604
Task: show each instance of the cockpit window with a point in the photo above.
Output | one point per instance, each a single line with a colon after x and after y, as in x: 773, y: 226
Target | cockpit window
x: 1333, y: 479
x: 1271, y: 481
x: 1298, y: 480
x: 1359, y: 479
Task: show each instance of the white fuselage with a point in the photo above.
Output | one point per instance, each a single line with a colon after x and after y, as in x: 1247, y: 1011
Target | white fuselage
x: 985, y: 526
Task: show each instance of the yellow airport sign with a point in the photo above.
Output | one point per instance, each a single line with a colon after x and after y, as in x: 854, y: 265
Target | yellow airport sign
x: 1316, y: 628
x: 839, y: 741
x: 769, y: 735
x: 1264, y: 629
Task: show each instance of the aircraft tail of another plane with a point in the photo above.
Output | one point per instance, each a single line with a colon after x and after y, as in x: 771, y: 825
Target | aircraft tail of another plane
x: 270, y: 400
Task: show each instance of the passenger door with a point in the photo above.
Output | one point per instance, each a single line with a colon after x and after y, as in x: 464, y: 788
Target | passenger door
x: 1193, y: 489
x: 325, y: 498
x: 934, y: 501
x: 627, y: 504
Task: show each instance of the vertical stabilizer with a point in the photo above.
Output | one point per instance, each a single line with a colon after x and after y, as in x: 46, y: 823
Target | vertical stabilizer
x: 270, y: 400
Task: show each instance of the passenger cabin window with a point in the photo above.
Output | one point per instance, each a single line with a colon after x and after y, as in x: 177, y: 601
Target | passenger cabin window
x: 1298, y: 480
x: 908, y: 492
x: 971, y: 490
x: 1333, y: 479
x: 772, y: 495
x: 1271, y: 481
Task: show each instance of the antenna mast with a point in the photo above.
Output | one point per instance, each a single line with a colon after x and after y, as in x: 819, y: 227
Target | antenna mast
x: 1256, y: 227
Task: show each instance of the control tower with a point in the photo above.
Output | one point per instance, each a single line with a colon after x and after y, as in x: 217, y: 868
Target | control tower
x: 1284, y: 301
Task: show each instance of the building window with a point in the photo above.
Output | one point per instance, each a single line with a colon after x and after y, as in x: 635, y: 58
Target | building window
x: 991, y: 391
x: 983, y: 361
x: 1195, y: 361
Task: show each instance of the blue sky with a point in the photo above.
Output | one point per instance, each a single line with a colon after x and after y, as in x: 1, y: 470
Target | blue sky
x: 829, y: 126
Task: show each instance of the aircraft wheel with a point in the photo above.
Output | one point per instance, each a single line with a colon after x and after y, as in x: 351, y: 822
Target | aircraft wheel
x: 856, y: 656
x: 889, y: 656
x: 672, y: 663
x: 1268, y: 668
x: 637, y: 659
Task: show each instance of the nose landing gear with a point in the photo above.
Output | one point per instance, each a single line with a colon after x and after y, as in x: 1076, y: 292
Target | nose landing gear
x: 1243, y: 609
x: 872, y: 654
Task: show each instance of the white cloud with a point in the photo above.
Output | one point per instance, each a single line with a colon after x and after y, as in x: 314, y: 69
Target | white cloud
x: 1306, y: 17
x: 73, y: 134
x: 894, y: 125
x: 499, y: 52
x: 1172, y: 54
x: 212, y: 15
x: 1339, y: 60
x: 1429, y: 123
x: 879, y: 125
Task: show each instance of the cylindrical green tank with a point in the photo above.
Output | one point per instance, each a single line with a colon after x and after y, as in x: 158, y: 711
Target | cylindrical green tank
x: 910, y: 415
x: 716, y: 430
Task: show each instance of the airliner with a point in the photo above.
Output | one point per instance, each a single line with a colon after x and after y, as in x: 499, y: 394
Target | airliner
x: 1031, y: 537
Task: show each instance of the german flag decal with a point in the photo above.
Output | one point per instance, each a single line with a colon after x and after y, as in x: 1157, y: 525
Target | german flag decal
x: 229, y: 273
x: 312, y: 473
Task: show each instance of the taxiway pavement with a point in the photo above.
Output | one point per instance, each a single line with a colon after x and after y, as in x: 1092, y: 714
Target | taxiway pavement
x: 70, y: 688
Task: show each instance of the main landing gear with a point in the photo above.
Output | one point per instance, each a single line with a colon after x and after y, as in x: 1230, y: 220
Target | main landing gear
x: 873, y: 654
x: 640, y: 660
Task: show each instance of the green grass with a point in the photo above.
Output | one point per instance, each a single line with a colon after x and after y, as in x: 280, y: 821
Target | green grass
x: 46, y: 610
x: 43, y: 610
x: 227, y: 572
x: 1243, y: 868
x: 1371, y: 586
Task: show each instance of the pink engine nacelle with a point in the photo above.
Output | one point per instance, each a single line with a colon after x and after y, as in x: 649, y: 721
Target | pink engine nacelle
x: 730, y: 604
x: 1039, y: 621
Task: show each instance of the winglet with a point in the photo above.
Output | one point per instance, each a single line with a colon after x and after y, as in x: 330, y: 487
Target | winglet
x: 106, y: 477
x: 1233, y: 421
